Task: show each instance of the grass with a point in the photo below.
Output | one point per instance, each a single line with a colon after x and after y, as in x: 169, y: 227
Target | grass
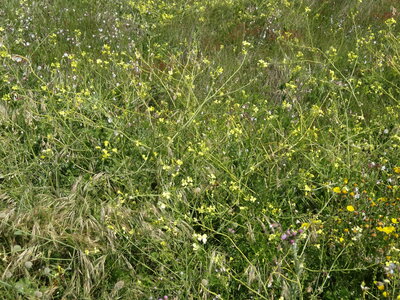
x: 199, y: 149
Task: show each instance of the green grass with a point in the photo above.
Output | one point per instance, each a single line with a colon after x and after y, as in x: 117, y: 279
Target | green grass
x: 207, y: 149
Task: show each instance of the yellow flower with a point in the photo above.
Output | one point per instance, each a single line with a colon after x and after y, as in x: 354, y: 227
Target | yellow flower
x: 395, y: 221
x: 106, y: 154
x: 390, y: 22
x: 385, y: 294
x: 337, y: 190
x: 350, y: 208
x: 387, y: 229
x: 380, y: 285
x: 307, y: 188
x: 305, y: 225
x: 396, y: 170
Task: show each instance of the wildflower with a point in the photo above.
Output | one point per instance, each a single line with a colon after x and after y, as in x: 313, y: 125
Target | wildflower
x: 380, y: 285
x: 106, y: 154
x: 387, y: 230
x: 396, y: 170
x: 166, y: 195
x: 350, y: 208
x: 364, y: 287
x: 251, y: 198
x: 390, y: 22
x: 195, y: 246
x: 337, y: 190
x: 262, y: 63
x: 200, y: 238
x: 390, y: 267
x: 305, y: 225
x: 246, y: 44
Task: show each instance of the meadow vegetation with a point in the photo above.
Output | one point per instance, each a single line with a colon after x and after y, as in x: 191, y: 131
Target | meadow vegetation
x: 210, y: 149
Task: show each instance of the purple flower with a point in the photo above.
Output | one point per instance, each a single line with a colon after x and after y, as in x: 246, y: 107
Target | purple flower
x: 284, y: 237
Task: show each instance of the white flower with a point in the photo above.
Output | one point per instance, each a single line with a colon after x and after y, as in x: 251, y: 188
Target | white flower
x: 200, y: 238
x: 195, y: 246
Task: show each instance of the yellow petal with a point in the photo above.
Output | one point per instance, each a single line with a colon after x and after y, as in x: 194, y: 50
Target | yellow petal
x: 337, y: 190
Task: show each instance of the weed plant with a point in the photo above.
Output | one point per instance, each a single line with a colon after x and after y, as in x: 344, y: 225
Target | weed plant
x: 210, y: 149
